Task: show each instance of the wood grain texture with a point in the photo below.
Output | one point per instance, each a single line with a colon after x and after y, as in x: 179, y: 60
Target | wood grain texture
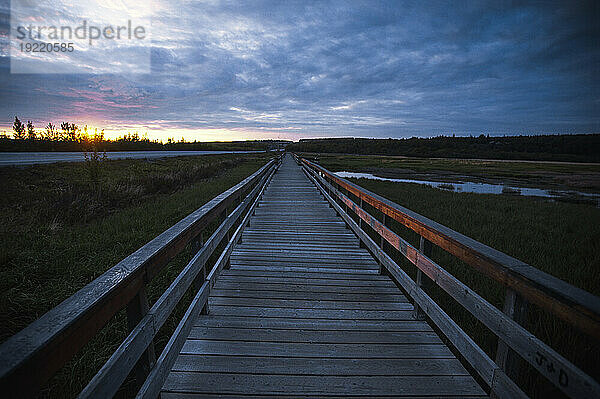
x: 317, y: 366
x: 274, y: 384
x: 303, y: 311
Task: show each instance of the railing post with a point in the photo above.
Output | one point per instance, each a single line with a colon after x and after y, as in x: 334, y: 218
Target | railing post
x: 229, y: 230
x: 332, y: 195
x: 224, y: 215
x: 240, y: 239
x: 136, y: 310
x: 199, y: 280
x: 360, y: 204
x: 198, y: 243
x: 515, y: 307
x: 422, y: 280
x: 361, y: 243
x: 382, y: 269
x: 347, y: 213
x: 328, y: 188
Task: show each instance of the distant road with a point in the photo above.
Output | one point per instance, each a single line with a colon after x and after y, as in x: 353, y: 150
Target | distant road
x: 32, y: 158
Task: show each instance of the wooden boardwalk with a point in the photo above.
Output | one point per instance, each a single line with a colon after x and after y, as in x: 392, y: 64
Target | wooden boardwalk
x: 304, y: 312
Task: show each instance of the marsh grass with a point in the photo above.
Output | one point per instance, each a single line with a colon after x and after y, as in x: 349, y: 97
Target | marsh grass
x: 562, y: 239
x: 59, y: 233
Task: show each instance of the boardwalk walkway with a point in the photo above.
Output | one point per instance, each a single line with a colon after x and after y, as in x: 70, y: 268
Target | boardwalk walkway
x: 303, y: 312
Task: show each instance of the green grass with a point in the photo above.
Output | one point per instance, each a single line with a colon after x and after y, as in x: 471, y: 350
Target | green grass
x: 60, y: 230
x: 561, y: 239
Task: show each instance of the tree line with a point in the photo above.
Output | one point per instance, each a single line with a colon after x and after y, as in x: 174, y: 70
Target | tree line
x: 71, y: 137
x: 566, y: 147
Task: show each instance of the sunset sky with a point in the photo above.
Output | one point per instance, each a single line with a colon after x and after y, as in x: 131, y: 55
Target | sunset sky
x: 224, y: 70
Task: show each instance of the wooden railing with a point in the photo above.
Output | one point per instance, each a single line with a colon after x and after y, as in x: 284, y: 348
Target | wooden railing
x: 31, y: 357
x: 524, y: 284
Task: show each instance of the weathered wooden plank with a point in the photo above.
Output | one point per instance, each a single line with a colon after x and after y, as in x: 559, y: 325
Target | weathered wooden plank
x: 310, y: 288
x: 311, y: 324
x: 302, y: 226
x: 303, y: 236
x: 295, y: 349
x: 360, y: 262
x: 286, y: 335
x: 312, y: 313
x: 337, y: 248
x: 317, y: 366
x: 298, y: 231
x: 322, y: 385
x: 325, y: 295
x: 324, y: 269
x: 322, y: 251
x: 310, y: 304
x: 306, y: 255
x: 316, y: 280
x: 303, y: 262
x: 306, y: 233
x: 304, y: 275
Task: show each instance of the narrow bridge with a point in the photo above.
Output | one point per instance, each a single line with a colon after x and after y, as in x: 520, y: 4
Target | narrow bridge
x: 303, y: 310
x: 306, y: 300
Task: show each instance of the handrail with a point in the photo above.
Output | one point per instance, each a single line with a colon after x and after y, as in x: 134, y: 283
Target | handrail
x: 572, y: 304
x: 500, y: 384
x: 157, y: 376
x: 566, y: 376
x: 108, y: 380
x: 29, y: 358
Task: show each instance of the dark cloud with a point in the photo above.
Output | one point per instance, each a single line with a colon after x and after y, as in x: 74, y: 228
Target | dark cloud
x: 365, y: 68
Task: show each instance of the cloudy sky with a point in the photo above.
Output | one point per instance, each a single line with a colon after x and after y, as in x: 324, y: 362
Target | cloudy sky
x: 294, y: 69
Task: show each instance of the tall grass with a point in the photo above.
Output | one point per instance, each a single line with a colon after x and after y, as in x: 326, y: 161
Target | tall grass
x: 58, y: 234
x: 561, y: 239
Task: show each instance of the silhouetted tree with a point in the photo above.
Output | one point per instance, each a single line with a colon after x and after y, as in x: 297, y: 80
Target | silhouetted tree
x: 69, y: 131
x: 51, y: 133
x: 30, y: 131
x: 18, y: 129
